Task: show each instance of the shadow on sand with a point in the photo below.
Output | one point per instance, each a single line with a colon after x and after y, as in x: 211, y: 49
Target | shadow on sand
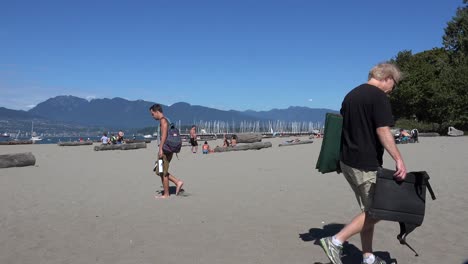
x: 172, y: 191
x: 351, y: 254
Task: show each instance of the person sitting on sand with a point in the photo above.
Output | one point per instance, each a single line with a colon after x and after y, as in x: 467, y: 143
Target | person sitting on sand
x: 113, y: 139
x: 206, y: 148
x: 233, y: 140
x: 404, y: 135
x: 120, y: 137
x: 225, y: 143
x: 104, y: 139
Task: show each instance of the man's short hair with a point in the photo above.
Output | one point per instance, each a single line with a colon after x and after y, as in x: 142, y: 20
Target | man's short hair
x: 156, y: 108
x: 385, y: 70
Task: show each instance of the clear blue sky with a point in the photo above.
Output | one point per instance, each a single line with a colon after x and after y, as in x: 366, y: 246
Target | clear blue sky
x: 222, y: 53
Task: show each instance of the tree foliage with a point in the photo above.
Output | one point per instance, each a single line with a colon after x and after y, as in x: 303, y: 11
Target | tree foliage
x: 435, y: 84
x: 456, y: 32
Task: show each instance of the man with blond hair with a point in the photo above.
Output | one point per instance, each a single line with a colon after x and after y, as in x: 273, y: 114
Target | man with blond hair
x: 367, y: 118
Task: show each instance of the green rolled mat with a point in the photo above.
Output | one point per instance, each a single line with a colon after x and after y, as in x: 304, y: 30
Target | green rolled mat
x: 329, y: 157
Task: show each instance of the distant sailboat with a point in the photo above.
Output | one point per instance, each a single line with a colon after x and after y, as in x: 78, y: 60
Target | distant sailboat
x: 34, y: 138
x: 17, y: 135
x: 155, y: 135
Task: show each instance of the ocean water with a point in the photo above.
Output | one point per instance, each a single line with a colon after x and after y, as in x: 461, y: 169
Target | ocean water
x: 55, y: 140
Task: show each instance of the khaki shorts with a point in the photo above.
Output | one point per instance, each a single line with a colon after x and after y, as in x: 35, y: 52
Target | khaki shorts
x: 167, y: 157
x: 362, y: 183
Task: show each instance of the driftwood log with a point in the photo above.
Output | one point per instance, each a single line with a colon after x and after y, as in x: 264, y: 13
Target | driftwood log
x: 137, y: 140
x: 17, y: 160
x: 295, y: 143
x: 121, y: 146
x: 204, y: 137
x: 249, y: 146
x: 16, y: 142
x: 249, y: 138
x: 74, y: 143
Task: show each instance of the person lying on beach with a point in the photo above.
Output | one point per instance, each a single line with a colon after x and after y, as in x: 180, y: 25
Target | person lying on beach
x: 293, y: 140
x: 404, y: 135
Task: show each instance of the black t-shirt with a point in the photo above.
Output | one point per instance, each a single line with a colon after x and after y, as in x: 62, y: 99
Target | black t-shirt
x: 364, y: 109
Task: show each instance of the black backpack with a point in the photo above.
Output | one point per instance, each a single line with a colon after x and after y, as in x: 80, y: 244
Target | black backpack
x: 173, y: 142
x: 401, y: 201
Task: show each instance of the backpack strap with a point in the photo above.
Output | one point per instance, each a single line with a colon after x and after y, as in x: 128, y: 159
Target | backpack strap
x: 171, y: 125
x: 429, y: 188
x: 168, y: 121
x: 405, y: 229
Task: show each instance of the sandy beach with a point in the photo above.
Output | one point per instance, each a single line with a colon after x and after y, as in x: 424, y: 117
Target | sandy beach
x: 78, y: 205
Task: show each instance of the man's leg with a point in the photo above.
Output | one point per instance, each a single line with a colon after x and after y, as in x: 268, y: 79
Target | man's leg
x: 360, y: 224
x: 193, y: 143
x: 165, y: 178
x: 362, y: 183
x: 177, y: 182
x: 165, y: 183
x: 367, y: 235
x: 354, y: 227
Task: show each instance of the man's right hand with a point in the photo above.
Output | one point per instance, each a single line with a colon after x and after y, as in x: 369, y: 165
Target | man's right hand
x: 400, y: 173
x: 388, y: 142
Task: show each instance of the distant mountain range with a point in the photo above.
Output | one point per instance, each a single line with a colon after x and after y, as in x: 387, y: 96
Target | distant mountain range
x: 10, y: 114
x: 122, y: 113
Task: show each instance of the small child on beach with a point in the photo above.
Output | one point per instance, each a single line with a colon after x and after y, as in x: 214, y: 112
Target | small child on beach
x: 206, y: 148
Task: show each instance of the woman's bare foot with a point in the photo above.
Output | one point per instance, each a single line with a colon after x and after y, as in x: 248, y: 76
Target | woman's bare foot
x: 179, y: 187
x: 157, y: 197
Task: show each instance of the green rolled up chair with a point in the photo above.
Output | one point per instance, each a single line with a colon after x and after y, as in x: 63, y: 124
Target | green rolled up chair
x: 329, y: 157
